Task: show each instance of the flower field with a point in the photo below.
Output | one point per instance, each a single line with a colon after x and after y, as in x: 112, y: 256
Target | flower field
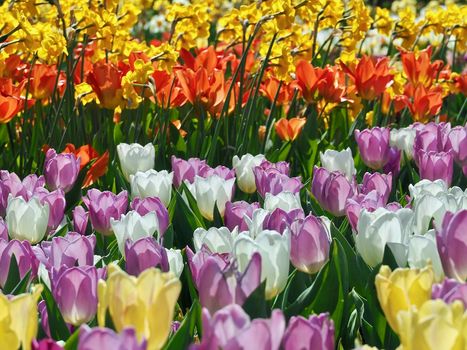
x: 203, y: 175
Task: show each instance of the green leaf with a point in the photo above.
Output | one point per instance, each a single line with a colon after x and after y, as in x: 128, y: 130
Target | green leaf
x: 13, y: 276
x: 22, y: 285
x: 72, y: 342
x: 57, y: 325
x: 185, y: 334
x: 354, y: 309
x: 168, y: 239
x: 255, y: 305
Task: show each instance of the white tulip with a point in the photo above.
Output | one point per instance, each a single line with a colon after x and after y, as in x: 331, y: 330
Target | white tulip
x: 26, y: 221
x: 403, y: 139
x: 134, y: 157
x: 426, y: 186
x: 285, y: 200
x: 375, y: 229
x: 217, y: 240
x: 255, y: 224
x: 422, y: 251
x: 274, y: 249
x: 244, y: 171
x: 339, y: 161
x: 210, y: 191
x: 460, y: 196
x: 152, y: 183
x: 133, y: 226
x: 175, y: 261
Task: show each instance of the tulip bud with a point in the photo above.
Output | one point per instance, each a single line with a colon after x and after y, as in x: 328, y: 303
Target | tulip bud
x: 431, y: 137
x: 134, y: 157
x: 332, y: 190
x: 341, y: 161
x: 274, y: 182
x: 373, y: 145
x: 451, y: 237
x: 176, y: 263
x: 217, y: 240
x: 152, y: 184
x: 75, y: 292
x: 244, y: 171
x: 457, y: 141
x: 310, y: 243
x: 104, y: 206
x: 57, y: 203
x: 450, y: 290
x: 436, y: 165
x: 80, y: 219
x: 287, y: 201
x: 104, y: 338
x: 316, y: 332
x: 61, y: 170
x: 143, y: 254
x: 426, y: 186
x: 381, y: 183
x: 197, y: 261
x: 133, y: 226
x: 27, y: 220
x: 24, y: 256
x: 152, y: 204
x: 186, y: 169
x: 221, y: 171
x: 403, y: 139
x: 282, y: 167
x: 279, y: 220
x: 212, y: 191
x: 235, y: 213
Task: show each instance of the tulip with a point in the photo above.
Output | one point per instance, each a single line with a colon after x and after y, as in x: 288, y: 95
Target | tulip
x: 450, y: 290
x: 197, y: 261
x: 316, y: 332
x: 457, y: 141
x: 436, y: 165
x: 287, y: 201
x: 418, y: 66
x: 401, y: 289
x: 282, y: 167
x: 186, y: 169
x: 24, y: 256
x: 451, y: 236
x: 381, y: 183
x: 353, y: 206
x: 152, y: 184
x: 274, y: 182
x: 152, y: 204
x: 376, y: 229
x: 426, y: 186
x: 46, y: 344
x: 373, y: 145
x: 424, y: 103
x: 80, y: 219
x: 176, y: 263
x: 143, y: 254
x: 231, y: 328
x: 75, y: 292
x: 279, y: 220
x: 218, y: 287
x: 217, y: 240
x: 134, y: 157
x: 235, y: 213
x: 133, y: 226
x: 104, y: 338
x: 331, y: 190
x: 221, y: 171
x: 212, y: 191
x: 104, y: 206
x: 3, y: 230
x: 57, y: 203
x: 275, y: 254
x: 145, y: 302
x: 431, y: 137
x: 310, y: 243
x: 432, y: 326
x: 61, y: 170
x: 393, y: 165
x: 422, y: 251
x: 403, y: 139
x: 289, y: 129
x: 244, y: 171
x: 341, y: 161
x: 18, y: 319
x: 27, y: 220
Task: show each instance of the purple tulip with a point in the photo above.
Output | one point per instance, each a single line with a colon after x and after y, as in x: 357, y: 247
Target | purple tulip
x: 44, y: 316
x: 370, y: 201
x: 457, y: 141
x: 75, y: 292
x: 451, y: 238
x: 143, y: 254
x: 80, y: 219
x: 331, y: 190
x: 449, y: 291
x: 10, y: 183
x: 431, y: 137
x: 282, y: 167
x: 381, y: 183
x: 197, y: 261
x: 393, y: 165
x: 316, y: 332
x: 309, y: 244
x: 45, y: 344
x: 103, y: 206
x: 273, y: 181
x: 279, y: 220
x: 24, y: 258
x: 186, y: 169
x: 57, y: 203
x: 220, y: 287
x: 152, y: 204
x: 71, y: 250
x: 373, y: 145
x: 104, y: 338
x: 61, y: 170
x: 230, y: 328
x: 436, y: 165
x: 221, y: 171
x: 235, y: 213
x: 3, y: 230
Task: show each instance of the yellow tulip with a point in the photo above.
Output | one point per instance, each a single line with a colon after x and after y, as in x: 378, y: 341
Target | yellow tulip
x: 402, y: 288
x: 433, y: 326
x: 18, y: 319
x: 145, y: 302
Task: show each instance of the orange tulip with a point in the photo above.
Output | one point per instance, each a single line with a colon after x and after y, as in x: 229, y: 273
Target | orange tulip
x: 269, y: 89
x: 9, y: 107
x: 371, y: 77
x: 105, y: 80
x: 43, y: 80
x: 307, y: 80
x: 85, y: 153
x: 425, y: 103
x: 165, y: 88
x: 418, y: 67
x: 97, y: 169
x: 289, y: 129
x: 460, y: 83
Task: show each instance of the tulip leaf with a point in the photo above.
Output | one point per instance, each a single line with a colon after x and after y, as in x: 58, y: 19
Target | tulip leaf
x: 255, y: 305
x: 72, y: 342
x: 22, y: 285
x: 185, y: 334
x: 354, y: 309
x: 57, y: 325
x: 218, y: 221
x: 168, y: 238
x: 389, y: 259
x: 14, y: 277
